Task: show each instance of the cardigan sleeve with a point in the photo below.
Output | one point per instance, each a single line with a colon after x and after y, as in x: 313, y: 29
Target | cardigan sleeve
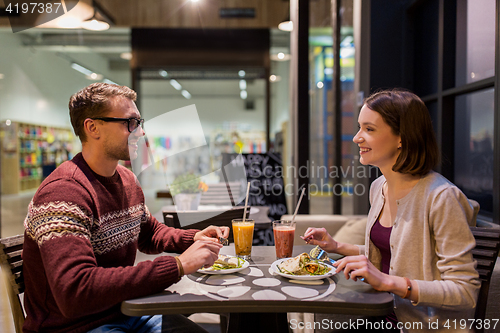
x: 459, y: 285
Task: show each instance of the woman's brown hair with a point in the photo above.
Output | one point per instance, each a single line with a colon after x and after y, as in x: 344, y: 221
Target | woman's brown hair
x: 409, y: 118
x: 92, y: 102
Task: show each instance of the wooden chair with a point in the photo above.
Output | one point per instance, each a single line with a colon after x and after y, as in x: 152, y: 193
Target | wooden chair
x: 485, y: 253
x: 11, y: 249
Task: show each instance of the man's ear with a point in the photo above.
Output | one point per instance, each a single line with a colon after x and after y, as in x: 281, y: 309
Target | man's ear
x: 91, y: 130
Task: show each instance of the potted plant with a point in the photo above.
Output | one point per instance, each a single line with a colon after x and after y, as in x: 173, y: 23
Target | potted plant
x: 186, y: 190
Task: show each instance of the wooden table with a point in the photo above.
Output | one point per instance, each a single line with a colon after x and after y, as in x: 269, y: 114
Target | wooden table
x: 267, y: 298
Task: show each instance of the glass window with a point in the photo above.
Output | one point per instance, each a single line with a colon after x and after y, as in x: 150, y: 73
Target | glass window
x: 475, y: 40
x: 474, y: 147
x: 426, y: 48
x: 322, y: 112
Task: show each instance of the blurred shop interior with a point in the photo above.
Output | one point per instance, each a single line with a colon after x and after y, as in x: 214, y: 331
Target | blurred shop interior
x: 246, y: 78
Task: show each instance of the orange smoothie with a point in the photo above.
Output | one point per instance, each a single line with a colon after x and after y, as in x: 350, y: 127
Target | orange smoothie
x: 243, y: 237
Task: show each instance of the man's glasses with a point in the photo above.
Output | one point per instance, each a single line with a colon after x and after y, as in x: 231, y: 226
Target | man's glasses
x: 133, y: 123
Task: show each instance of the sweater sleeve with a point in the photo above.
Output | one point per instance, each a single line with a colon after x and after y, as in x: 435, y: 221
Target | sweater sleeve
x: 459, y: 284
x: 79, y: 284
x: 156, y: 237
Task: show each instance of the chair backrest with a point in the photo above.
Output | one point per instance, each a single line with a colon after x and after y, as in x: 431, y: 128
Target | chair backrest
x: 476, y: 207
x: 11, y: 249
x: 202, y: 219
x: 485, y: 253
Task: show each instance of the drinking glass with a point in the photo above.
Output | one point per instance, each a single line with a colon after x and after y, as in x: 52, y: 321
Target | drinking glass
x: 243, y: 237
x: 284, y: 232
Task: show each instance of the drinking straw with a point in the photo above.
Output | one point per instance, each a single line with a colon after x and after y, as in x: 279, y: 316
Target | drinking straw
x: 298, y: 204
x: 246, y: 202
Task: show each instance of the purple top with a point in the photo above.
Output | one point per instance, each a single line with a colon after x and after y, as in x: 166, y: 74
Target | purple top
x: 380, y: 236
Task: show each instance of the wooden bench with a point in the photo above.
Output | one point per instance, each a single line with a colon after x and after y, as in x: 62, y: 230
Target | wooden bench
x: 485, y: 253
x: 11, y: 250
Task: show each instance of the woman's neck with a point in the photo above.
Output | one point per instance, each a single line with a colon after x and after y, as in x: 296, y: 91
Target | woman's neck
x: 399, y: 184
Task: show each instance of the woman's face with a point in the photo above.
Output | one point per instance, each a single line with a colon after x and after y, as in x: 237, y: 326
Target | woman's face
x: 378, y: 145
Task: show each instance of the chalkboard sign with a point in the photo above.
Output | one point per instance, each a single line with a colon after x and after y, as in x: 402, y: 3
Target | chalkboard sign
x: 265, y: 174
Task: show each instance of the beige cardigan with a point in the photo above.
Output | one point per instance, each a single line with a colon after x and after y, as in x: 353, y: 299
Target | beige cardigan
x: 431, y: 243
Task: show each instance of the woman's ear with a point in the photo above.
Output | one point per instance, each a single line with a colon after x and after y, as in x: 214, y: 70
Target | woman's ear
x: 91, y: 129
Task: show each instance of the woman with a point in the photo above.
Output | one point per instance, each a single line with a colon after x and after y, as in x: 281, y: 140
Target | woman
x: 418, y: 241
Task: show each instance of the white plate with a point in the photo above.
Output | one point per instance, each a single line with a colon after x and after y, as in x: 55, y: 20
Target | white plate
x: 224, y: 271
x: 275, y: 270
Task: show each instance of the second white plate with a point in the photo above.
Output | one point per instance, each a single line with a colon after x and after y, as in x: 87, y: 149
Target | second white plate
x: 274, y: 268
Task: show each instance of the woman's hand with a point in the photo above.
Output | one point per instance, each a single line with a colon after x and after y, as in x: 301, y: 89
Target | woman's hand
x: 212, y: 233
x: 321, y: 237
x: 358, y: 267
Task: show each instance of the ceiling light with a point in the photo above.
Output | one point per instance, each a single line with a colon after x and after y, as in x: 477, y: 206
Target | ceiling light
x: 175, y: 84
x: 281, y: 56
x: 243, y: 84
x: 94, y: 76
x: 70, y: 15
x: 81, y: 69
x: 98, y: 22
x: 8, y: 122
x: 319, y: 85
x: 126, y: 55
x: 194, y: 1
x: 186, y: 94
x: 164, y: 74
x: 69, y: 22
x: 87, y: 72
x: 274, y: 78
x: 243, y: 94
x: 241, y: 73
x: 286, y: 26
x: 95, y: 25
x: 109, y: 82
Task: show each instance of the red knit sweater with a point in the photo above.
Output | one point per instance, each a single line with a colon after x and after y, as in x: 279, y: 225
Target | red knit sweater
x: 82, y: 232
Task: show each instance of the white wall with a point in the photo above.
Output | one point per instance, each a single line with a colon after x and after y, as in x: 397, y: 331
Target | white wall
x: 280, y: 100
x: 37, y: 84
x: 212, y: 112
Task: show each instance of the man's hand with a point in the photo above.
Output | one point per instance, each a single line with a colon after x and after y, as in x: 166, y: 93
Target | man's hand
x: 212, y: 233
x: 202, y: 253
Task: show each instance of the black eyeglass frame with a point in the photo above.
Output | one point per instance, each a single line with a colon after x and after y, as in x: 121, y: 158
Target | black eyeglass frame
x: 139, y: 121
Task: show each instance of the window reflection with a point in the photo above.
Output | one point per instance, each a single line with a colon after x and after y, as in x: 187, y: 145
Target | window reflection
x: 475, y: 40
x: 474, y: 147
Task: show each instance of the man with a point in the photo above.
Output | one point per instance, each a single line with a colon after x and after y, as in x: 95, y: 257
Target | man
x: 86, y: 222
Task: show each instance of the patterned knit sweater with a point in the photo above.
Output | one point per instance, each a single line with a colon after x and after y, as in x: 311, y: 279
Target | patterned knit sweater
x: 82, y: 232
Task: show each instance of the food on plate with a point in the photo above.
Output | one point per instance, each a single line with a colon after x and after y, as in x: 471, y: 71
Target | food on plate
x: 303, y: 264
x: 226, y: 262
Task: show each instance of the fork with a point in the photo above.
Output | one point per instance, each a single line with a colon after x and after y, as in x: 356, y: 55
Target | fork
x: 320, y: 254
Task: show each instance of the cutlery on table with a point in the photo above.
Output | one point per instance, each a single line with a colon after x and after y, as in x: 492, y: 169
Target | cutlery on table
x: 320, y: 254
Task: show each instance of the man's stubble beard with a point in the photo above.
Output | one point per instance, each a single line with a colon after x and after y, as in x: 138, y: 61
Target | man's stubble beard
x: 118, y: 153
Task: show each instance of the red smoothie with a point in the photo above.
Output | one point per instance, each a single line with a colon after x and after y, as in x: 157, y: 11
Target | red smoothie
x: 283, y: 241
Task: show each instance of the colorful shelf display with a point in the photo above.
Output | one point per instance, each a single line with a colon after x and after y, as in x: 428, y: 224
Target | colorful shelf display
x: 30, y: 152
